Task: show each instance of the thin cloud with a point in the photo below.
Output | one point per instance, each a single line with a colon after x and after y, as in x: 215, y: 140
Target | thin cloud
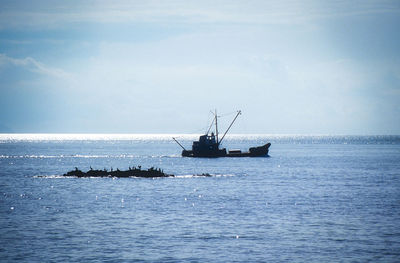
x: 34, y: 66
x: 50, y: 14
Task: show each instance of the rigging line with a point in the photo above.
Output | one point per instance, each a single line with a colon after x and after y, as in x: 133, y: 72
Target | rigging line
x: 212, y: 122
x: 197, y: 131
x: 237, y: 114
x: 201, y: 130
x: 227, y: 114
x: 210, y: 126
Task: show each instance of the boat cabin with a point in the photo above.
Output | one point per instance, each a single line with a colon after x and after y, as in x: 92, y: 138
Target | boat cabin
x: 206, y: 145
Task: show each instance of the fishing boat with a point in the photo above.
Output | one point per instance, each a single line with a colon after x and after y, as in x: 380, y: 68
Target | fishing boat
x: 208, y: 145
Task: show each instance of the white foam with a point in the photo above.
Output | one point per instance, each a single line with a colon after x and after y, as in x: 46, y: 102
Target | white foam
x: 196, y: 176
x: 50, y: 176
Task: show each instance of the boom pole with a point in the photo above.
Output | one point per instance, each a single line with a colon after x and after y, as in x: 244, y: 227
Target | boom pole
x: 178, y: 143
x: 239, y: 112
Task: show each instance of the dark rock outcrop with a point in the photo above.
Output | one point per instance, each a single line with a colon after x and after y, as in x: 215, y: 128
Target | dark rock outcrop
x: 132, y: 172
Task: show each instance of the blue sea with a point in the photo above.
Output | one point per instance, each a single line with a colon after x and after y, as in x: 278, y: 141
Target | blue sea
x: 314, y: 199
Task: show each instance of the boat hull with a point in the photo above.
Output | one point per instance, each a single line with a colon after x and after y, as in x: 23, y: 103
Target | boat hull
x: 260, y: 151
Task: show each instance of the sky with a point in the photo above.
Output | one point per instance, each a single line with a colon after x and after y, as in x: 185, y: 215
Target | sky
x: 291, y: 67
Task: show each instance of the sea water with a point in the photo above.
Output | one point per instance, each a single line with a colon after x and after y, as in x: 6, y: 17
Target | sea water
x: 314, y: 199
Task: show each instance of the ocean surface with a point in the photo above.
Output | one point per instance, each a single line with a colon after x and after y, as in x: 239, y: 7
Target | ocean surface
x: 314, y: 199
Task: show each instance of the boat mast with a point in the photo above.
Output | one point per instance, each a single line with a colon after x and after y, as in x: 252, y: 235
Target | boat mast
x: 216, y: 124
x: 239, y: 112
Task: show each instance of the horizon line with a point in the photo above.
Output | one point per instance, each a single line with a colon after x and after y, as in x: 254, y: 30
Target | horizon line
x: 162, y: 136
